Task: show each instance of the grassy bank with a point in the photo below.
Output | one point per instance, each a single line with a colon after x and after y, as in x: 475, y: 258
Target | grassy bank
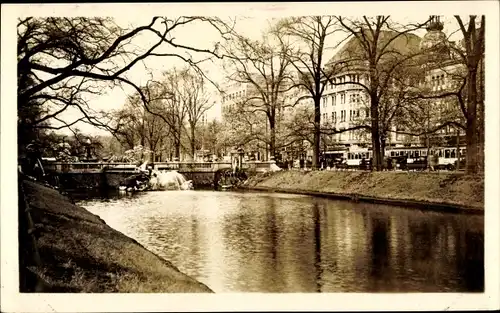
x: 80, y: 253
x: 455, y: 189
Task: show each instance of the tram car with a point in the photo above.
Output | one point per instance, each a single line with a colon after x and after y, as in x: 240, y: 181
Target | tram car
x: 405, y: 157
x: 334, y: 158
x: 446, y: 156
x: 348, y: 158
x: 355, y: 158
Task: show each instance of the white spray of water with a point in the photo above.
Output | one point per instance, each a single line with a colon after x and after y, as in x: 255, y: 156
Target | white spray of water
x: 169, y: 180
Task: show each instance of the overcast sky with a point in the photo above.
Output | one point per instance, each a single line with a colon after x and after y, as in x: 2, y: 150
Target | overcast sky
x: 250, y: 22
x: 198, y: 36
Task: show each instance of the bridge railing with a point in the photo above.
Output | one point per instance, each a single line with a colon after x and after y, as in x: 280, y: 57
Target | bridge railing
x: 177, y: 166
x: 192, y: 166
x: 85, y: 166
x: 98, y: 166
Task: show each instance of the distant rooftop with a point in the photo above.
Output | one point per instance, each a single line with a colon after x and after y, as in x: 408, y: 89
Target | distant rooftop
x: 352, y: 49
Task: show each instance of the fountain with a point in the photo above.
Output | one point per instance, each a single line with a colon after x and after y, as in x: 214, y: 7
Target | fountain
x: 169, y: 180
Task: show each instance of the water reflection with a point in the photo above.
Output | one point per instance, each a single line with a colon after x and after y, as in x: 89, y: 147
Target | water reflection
x: 257, y: 242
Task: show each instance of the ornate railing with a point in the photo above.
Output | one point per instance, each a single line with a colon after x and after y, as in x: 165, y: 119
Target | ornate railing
x: 192, y: 166
x: 80, y: 167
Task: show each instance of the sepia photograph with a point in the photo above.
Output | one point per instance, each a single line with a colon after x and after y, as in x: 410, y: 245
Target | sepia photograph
x: 250, y: 150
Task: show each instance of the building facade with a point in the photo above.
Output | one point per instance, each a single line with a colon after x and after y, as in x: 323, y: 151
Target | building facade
x: 347, y: 105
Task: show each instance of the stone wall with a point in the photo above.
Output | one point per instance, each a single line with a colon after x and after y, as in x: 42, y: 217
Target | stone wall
x: 97, y: 180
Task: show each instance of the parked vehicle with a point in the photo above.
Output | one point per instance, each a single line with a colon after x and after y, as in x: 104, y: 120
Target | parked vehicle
x: 418, y: 164
x: 453, y: 166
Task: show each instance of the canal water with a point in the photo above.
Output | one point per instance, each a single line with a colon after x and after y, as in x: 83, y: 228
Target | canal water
x: 270, y: 242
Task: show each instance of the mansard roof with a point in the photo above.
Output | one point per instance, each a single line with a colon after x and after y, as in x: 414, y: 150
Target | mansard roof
x: 352, y: 50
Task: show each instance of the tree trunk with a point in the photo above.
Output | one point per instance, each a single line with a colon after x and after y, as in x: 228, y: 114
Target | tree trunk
x: 193, y: 148
x: 383, y: 141
x: 272, y: 142
x: 177, y: 140
x: 427, y: 139
x: 375, y: 133
x: 143, y: 142
x: 317, y: 133
x: 457, y: 154
x: 471, y: 131
x: 177, y: 148
x: 480, y: 111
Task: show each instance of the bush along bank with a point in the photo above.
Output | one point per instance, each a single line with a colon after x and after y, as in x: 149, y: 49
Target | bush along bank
x: 452, y: 192
x: 65, y: 248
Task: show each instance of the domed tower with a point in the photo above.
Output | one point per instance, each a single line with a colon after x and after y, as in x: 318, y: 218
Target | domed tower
x: 435, y: 44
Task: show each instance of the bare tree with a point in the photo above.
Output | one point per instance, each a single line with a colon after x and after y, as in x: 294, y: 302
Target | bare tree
x: 244, y: 130
x: 212, y: 137
x: 169, y: 95
x: 155, y: 130
x: 466, y: 93
x: 196, y: 101
x: 264, y: 65
x: 134, y: 126
x: 61, y: 58
x: 130, y: 124
x: 473, y: 55
x: 379, y: 50
x: 308, y: 59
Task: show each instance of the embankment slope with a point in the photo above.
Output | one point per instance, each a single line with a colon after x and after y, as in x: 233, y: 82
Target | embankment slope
x: 454, y: 189
x: 80, y: 253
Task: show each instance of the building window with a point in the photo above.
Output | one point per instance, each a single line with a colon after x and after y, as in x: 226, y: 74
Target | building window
x: 357, y: 98
x: 333, y: 100
x: 334, y: 117
x: 342, y: 98
x: 324, y: 102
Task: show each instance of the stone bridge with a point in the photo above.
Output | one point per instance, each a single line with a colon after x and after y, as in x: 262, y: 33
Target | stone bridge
x: 79, y: 175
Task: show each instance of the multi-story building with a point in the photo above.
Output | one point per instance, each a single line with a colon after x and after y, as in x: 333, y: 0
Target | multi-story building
x: 442, y: 72
x: 233, y: 93
x: 347, y: 105
x: 256, y: 120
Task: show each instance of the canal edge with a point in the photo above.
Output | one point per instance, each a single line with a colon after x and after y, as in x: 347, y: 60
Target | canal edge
x: 33, y: 260
x: 414, y: 204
